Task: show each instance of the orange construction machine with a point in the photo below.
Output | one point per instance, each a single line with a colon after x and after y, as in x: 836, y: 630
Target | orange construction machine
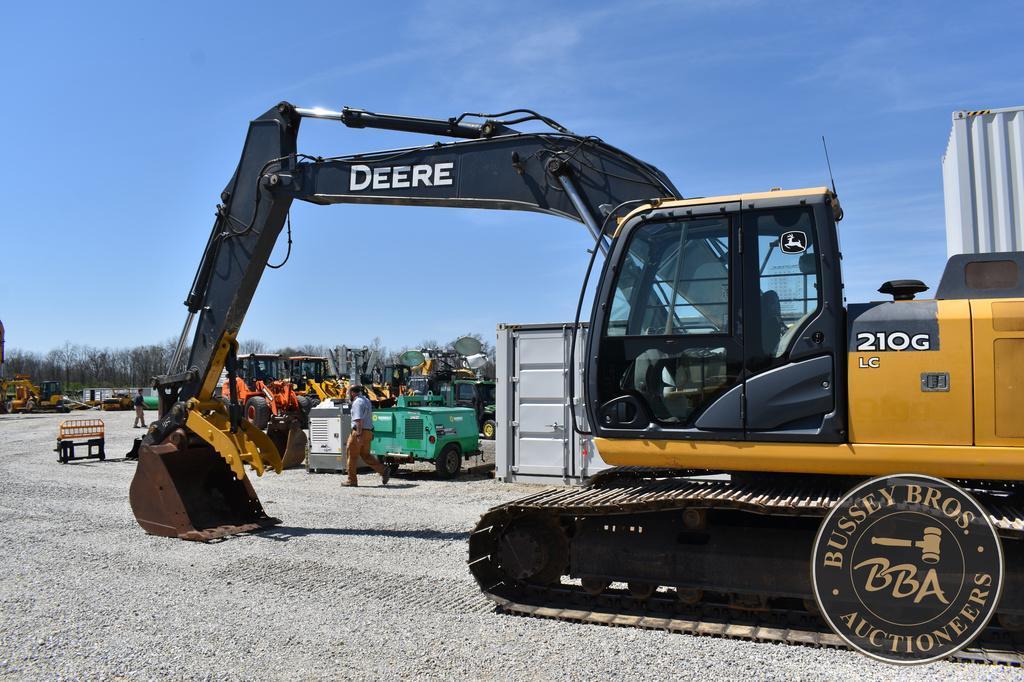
x: 271, y: 404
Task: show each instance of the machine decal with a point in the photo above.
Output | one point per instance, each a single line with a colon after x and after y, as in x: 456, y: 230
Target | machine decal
x: 893, y: 326
x: 400, y: 177
x: 793, y: 242
x: 907, y: 568
x: 881, y: 341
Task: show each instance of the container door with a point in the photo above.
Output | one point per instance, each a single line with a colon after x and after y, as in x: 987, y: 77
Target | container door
x: 540, y: 433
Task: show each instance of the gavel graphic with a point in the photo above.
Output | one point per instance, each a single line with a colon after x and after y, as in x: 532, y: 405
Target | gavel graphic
x: 929, y: 544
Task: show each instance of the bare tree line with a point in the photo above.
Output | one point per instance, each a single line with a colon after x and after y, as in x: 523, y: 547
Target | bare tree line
x: 87, y: 366
x: 81, y: 366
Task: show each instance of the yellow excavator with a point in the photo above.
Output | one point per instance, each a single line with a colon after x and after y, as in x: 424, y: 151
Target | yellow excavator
x: 725, y: 378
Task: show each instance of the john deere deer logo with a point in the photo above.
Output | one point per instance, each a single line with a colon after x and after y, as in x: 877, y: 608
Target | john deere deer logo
x: 907, y: 568
x: 793, y: 242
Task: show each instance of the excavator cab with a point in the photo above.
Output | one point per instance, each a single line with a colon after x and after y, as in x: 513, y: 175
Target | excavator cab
x: 722, y: 319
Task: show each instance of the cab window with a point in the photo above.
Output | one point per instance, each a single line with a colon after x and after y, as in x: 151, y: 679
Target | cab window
x: 669, y: 338
x: 788, y: 277
x: 674, y: 280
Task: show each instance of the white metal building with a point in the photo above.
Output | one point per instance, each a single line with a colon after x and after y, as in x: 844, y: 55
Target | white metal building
x: 983, y: 181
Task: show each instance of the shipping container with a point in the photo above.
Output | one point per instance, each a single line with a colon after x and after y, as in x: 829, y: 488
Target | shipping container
x: 101, y: 394
x: 983, y: 181
x: 535, y: 440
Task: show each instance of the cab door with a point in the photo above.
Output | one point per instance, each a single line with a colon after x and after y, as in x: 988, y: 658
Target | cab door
x: 668, y: 329
x: 794, y: 357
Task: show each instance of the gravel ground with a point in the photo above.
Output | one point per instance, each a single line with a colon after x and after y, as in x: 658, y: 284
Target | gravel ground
x: 364, y: 583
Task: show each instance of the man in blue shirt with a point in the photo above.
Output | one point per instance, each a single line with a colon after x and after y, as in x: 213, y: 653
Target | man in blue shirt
x: 360, y: 437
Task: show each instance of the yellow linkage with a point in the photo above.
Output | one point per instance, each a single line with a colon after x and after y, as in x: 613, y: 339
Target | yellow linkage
x: 209, y: 420
x: 248, y: 445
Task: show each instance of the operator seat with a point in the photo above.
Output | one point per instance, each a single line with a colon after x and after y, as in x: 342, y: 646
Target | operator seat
x: 647, y: 376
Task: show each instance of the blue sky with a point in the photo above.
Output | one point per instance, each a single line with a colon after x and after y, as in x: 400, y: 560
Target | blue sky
x: 124, y: 122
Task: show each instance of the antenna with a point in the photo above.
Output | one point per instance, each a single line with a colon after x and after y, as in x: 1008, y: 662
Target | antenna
x: 829, y: 164
x: 837, y: 210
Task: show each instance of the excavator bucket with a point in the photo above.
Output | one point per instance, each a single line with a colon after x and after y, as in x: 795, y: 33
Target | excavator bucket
x: 290, y: 440
x: 189, y: 492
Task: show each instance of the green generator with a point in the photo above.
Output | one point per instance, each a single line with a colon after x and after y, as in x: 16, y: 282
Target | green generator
x: 421, y: 429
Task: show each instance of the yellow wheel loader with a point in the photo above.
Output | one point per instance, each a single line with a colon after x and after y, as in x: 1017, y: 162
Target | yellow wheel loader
x: 311, y: 377
x: 22, y: 396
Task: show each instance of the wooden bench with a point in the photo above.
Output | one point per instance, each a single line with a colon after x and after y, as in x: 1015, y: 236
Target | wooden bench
x: 87, y: 432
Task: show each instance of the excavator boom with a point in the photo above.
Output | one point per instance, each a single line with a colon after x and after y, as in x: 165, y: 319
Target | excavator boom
x: 489, y: 165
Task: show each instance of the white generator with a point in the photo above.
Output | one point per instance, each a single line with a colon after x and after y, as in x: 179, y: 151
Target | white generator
x: 329, y: 425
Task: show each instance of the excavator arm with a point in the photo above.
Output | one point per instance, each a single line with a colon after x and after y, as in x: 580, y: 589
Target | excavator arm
x: 191, y: 480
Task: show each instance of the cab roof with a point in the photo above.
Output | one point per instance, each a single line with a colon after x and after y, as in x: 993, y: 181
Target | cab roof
x: 806, y: 192
x: 749, y: 196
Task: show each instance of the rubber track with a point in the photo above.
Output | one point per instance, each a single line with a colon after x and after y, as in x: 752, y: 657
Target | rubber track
x: 631, y: 490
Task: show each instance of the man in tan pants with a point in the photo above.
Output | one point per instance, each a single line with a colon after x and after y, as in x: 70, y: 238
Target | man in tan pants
x: 360, y: 437
x: 140, y: 416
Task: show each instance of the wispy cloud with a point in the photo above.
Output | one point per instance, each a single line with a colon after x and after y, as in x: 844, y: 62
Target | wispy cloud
x: 893, y: 68
x: 363, y: 66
